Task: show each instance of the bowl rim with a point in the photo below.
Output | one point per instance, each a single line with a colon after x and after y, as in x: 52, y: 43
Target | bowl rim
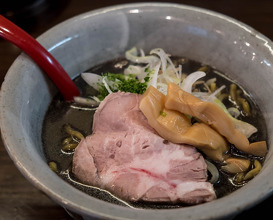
x: 235, y: 207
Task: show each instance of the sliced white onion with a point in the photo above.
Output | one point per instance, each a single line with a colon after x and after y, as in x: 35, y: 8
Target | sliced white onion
x: 244, y: 127
x: 86, y: 101
x: 162, y: 55
x: 212, y: 96
x: 213, y: 171
x: 153, y: 80
x: 209, y: 81
x: 234, y: 112
x: 106, y: 85
x: 92, y: 79
x: 162, y: 87
x: 190, y: 79
x: 132, y: 56
x: 138, y: 71
x: 133, y: 69
x: 164, y: 60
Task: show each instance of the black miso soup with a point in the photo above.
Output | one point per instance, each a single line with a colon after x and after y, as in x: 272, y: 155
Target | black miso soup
x: 62, y: 116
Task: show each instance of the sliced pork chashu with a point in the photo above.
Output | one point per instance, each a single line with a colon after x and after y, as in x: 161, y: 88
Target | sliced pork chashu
x: 126, y: 156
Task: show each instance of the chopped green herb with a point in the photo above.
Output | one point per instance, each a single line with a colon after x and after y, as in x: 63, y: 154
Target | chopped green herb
x: 133, y: 86
x: 124, y: 83
x: 102, y: 92
x: 163, y: 114
x: 113, y: 77
x: 148, y: 71
x: 146, y: 79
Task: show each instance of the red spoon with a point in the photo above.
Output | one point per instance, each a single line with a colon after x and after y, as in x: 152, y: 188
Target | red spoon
x: 41, y: 56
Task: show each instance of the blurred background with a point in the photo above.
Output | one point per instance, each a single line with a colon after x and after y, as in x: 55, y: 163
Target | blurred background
x: 19, y: 200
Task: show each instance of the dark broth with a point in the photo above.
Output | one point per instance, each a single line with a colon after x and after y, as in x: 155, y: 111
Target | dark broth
x: 81, y: 119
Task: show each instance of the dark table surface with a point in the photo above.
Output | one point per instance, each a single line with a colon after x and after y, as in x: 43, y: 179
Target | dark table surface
x: 18, y: 198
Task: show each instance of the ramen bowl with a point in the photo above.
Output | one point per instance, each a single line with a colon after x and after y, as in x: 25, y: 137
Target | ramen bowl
x: 101, y: 35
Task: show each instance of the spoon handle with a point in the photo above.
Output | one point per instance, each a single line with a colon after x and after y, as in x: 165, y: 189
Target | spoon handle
x: 9, y: 31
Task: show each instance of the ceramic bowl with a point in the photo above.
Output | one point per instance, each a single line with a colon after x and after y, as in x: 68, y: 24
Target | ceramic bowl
x: 97, y: 36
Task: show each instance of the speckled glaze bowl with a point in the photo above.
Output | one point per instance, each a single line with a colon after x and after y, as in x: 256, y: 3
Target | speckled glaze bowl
x: 91, y: 38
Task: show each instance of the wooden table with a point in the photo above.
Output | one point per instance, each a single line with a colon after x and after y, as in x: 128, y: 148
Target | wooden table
x: 18, y: 198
